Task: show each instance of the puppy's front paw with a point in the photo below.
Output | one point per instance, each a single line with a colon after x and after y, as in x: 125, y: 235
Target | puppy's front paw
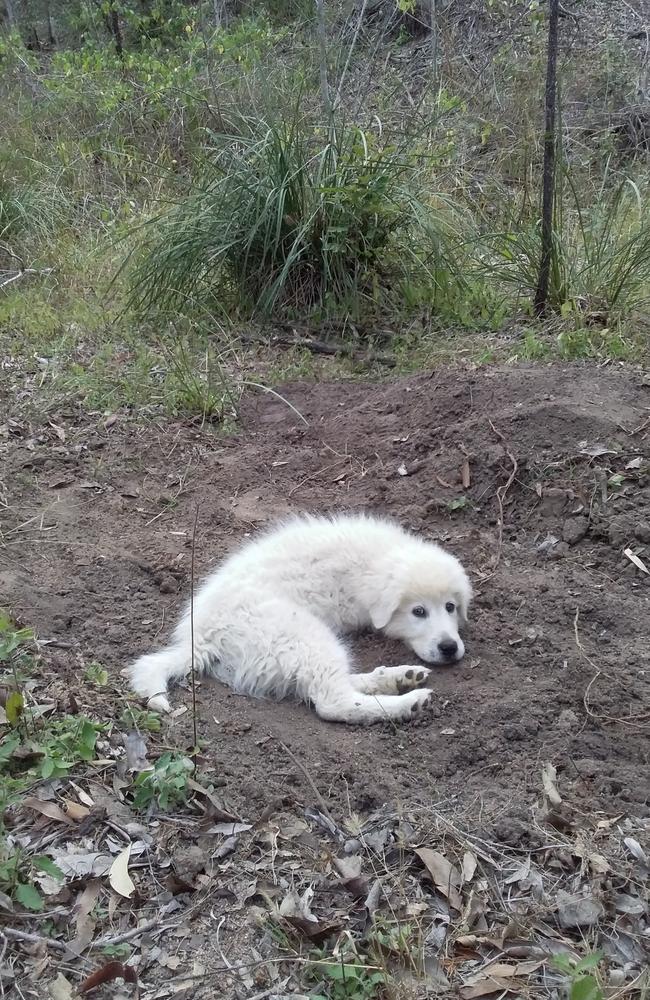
x: 411, y: 678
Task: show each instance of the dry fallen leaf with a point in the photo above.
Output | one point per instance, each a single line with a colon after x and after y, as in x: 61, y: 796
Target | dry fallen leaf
x: 549, y: 778
x: 80, y: 864
x: 294, y: 905
x: 49, y: 809
x: 470, y: 861
x: 639, y: 563
x: 230, y: 828
x: 108, y: 974
x: 373, y: 899
x: 75, y: 810
x: 634, y: 847
x: 444, y: 875
x: 118, y: 875
x: 594, y: 450
x: 60, y: 988
x: 574, y: 910
x: 217, y: 810
x: 136, y: 752
x: 349, y: 869
x: 59, y: 431
x: 486, y: 986
x: 636, y: 463
x: 296, y: 910
x: 85, y: 926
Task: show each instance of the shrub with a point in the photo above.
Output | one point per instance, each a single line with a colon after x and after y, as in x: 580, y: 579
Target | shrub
x: 287, y: 217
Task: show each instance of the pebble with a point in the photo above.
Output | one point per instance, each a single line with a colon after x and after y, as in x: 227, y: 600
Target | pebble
x: 575, y: 529
x: 642, y: 532
x: 617, y: 534
x: 567, y: 719
x: 168, y: 585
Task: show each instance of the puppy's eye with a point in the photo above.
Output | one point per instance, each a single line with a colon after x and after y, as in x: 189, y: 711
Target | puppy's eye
x: 450, y: 607
x: 420, y: 612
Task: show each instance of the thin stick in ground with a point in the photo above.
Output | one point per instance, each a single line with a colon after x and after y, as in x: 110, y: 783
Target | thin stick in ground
x: 310, y: 781
x: 192, y: 658
x: 501, y: 496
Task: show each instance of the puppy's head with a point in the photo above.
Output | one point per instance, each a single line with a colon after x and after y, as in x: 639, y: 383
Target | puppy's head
x: 424, y: 602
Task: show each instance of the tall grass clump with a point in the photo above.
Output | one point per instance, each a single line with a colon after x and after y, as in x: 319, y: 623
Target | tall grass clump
x: 296, y: 219
x: 600, y: 261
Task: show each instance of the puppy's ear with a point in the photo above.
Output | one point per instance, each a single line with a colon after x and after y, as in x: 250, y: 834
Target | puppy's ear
x: 383, y: 609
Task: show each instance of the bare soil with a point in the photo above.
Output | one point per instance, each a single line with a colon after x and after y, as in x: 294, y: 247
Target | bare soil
x: 96, y: 556
x: 97, y: 535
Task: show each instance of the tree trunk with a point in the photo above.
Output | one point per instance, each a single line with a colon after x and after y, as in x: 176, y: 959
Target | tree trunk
x: 322, y: 46
x: 548, y: 175
x: 50, y: 32
x: 434, y: 42
x: 218, y: 8
x: 116, y: 31
x: 11, y: 15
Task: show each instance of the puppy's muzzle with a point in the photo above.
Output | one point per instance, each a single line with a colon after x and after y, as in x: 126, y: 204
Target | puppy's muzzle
x: 448, y: 650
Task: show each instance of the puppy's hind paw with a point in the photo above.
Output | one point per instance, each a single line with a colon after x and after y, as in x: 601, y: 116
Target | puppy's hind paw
x: 158, y: 703
x: 420, y: 703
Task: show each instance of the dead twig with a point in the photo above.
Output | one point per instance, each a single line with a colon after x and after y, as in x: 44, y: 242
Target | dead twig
x: 635, y: 721
x: 310, y: 781
x: 150, y: 925
x: 21, y: 274
x: 307, y: 479
x: 192, y: 654
x: 501, y: 496
x: 14, y: 935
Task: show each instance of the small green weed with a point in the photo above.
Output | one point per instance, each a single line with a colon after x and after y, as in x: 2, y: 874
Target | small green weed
x: 96, y: 674
x: 348, y: 979
x: 140, y: 720
x: 166, y: 784
x: 51, y: 747
x: 459, y: 503
x: 120, y: 951
x: 583, y: 985
x: 359, y: 971
x: 17, y: 873
x: 12, y: 638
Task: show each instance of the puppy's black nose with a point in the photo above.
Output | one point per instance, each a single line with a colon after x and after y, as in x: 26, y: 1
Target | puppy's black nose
x: 448, y: 648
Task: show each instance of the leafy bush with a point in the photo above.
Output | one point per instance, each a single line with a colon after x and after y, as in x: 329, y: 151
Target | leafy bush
x: 165, y: 784
x: 288, y: 217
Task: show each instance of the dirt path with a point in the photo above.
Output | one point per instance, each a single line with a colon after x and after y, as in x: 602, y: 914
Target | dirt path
x: 96, y: 556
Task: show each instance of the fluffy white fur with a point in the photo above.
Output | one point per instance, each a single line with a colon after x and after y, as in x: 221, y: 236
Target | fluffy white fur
x: 268, y: 621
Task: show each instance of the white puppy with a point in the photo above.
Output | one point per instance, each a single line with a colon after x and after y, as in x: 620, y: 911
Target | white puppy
x: 267, y: 622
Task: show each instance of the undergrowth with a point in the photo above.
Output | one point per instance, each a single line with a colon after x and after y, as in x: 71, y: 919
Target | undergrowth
x: 198, y: 177
x: 42, y: 743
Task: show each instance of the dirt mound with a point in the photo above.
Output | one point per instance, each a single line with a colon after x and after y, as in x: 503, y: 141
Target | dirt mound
x: 97, y: 538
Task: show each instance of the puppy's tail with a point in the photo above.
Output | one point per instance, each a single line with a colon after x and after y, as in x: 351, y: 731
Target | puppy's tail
x: 151, y: 674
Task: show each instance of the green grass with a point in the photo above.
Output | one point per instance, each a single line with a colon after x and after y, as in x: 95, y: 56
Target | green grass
x: 291, y: 217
